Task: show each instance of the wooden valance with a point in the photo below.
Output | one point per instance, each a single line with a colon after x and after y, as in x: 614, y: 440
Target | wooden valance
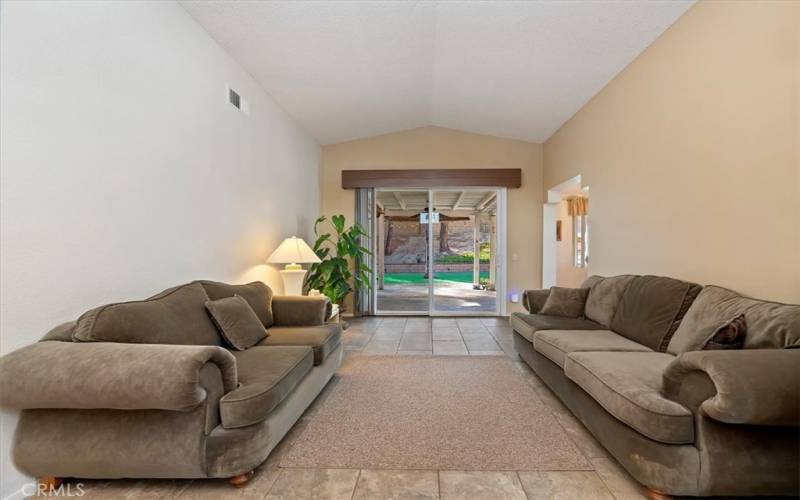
x: 432, y: 178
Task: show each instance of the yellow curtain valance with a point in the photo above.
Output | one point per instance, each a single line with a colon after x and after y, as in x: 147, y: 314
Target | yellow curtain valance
x: 577, y: 206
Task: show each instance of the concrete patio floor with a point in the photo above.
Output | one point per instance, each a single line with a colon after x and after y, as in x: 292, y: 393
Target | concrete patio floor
x: 449, y: 296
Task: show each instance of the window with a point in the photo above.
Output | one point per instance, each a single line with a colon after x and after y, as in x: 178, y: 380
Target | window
x: 580, y: 241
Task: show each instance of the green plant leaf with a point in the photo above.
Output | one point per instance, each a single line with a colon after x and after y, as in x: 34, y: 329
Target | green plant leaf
x: 342, y: 269
x: 338, y: 223
x: 319, y: 221
x: 359, y: 230
x: 321, y: 240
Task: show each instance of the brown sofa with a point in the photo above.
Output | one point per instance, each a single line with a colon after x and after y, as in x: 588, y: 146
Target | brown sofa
x: 146, y: 389
x: 681, y: 420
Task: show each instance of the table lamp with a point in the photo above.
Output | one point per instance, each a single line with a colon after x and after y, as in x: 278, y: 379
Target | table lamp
x: 293, y: 252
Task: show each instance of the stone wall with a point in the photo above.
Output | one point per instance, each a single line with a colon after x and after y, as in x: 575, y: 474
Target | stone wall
x: 406, y: 242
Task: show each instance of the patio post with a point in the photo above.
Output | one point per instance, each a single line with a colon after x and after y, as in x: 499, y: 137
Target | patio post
x: 492, y: 251
x: 476, y: 252
x: 381, y: 250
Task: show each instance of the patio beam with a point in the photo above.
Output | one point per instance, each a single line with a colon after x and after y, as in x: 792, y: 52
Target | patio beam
x: 459, y: 199
x: 488, y: 208
x: 485, y: 201
x: 400, y: 200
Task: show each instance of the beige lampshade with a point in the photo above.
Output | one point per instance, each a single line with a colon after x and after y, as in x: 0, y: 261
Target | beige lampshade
x: 293, y: 251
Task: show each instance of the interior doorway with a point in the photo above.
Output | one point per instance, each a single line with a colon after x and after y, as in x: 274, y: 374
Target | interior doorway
x: 439, y: 251
x: 565, y: 243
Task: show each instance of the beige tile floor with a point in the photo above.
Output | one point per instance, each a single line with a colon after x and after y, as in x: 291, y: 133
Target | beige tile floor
x: 408, y: 336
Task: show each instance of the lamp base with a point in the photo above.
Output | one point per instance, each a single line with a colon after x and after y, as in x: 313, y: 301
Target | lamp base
x: 293, y: 281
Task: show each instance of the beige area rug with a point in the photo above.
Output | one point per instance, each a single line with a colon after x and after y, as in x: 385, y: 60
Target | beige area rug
x: 439, y: 412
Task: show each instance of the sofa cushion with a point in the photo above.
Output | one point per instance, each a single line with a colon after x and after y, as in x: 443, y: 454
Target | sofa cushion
x: 565, y: 302
x: 257, y: 294
x: 556, y: 344
x: 174, y: 316
x: 651, y: 309
x: 591, y: 281
x: 528, y: 324
x: 628, y: 386
x: 236, y: 322
x: 322, y: 339
x: 770, y: 325
x: 267, y: 375
x: 604, y: 297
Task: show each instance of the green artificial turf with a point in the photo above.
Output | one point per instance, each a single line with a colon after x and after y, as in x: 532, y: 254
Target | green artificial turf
x: 419, y: 278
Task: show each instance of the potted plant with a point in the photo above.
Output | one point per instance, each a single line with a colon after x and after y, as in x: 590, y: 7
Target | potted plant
x: 342, y: 269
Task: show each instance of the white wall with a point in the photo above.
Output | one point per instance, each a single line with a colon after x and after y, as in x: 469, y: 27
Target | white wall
x: 549, y: 244
x: 124, y: 169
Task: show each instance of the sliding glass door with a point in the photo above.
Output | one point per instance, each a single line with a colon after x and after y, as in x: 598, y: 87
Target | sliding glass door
x: 401, y: 241
x: 463, y: 250
x: 438, y: 251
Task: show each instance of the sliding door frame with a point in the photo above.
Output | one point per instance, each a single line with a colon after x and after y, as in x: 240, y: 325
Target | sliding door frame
x: 375, y: 247
x: 500, y: 253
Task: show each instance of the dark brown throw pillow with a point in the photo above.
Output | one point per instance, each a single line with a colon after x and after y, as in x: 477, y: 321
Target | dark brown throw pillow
x: 728, y: 336
x: 565, y: 302
x: 257, y: 294
x: 533, y: 300
x: 237, y: 322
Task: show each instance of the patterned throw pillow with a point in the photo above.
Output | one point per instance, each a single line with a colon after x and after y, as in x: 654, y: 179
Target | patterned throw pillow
x: 728, y: 336
x: 565, y: 302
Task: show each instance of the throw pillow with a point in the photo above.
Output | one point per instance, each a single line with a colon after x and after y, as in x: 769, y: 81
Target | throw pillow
x: 728, y: 336
x: 566, y: 302
x: 257, y: 294
x: 237, y: 322
x: 533, y: 300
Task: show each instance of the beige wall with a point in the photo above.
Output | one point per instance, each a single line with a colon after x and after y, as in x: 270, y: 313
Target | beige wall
x: 691, y: 153
x: 433, y: 147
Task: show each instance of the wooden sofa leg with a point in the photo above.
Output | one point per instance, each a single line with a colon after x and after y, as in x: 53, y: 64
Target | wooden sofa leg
x: 48, y: 484
x: 241, y: 479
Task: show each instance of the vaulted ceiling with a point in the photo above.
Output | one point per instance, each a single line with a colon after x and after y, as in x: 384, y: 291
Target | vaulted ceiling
x: 352, y: 69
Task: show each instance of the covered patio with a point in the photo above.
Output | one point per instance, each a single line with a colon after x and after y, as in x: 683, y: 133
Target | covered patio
x: 463, y: 250
x: 449, y: 297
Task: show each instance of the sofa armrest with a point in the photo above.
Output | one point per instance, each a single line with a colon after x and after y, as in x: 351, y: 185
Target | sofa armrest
x: 103, y: 375
x: 288, y: 310
x: 533, y: 300
x: 751, y: 386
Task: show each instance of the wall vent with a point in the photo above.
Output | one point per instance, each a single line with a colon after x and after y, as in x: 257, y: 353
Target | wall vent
x: 234, y: 98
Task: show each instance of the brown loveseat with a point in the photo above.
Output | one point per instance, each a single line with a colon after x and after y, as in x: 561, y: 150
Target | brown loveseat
x: 146, y: 389
x: 681, y: 420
